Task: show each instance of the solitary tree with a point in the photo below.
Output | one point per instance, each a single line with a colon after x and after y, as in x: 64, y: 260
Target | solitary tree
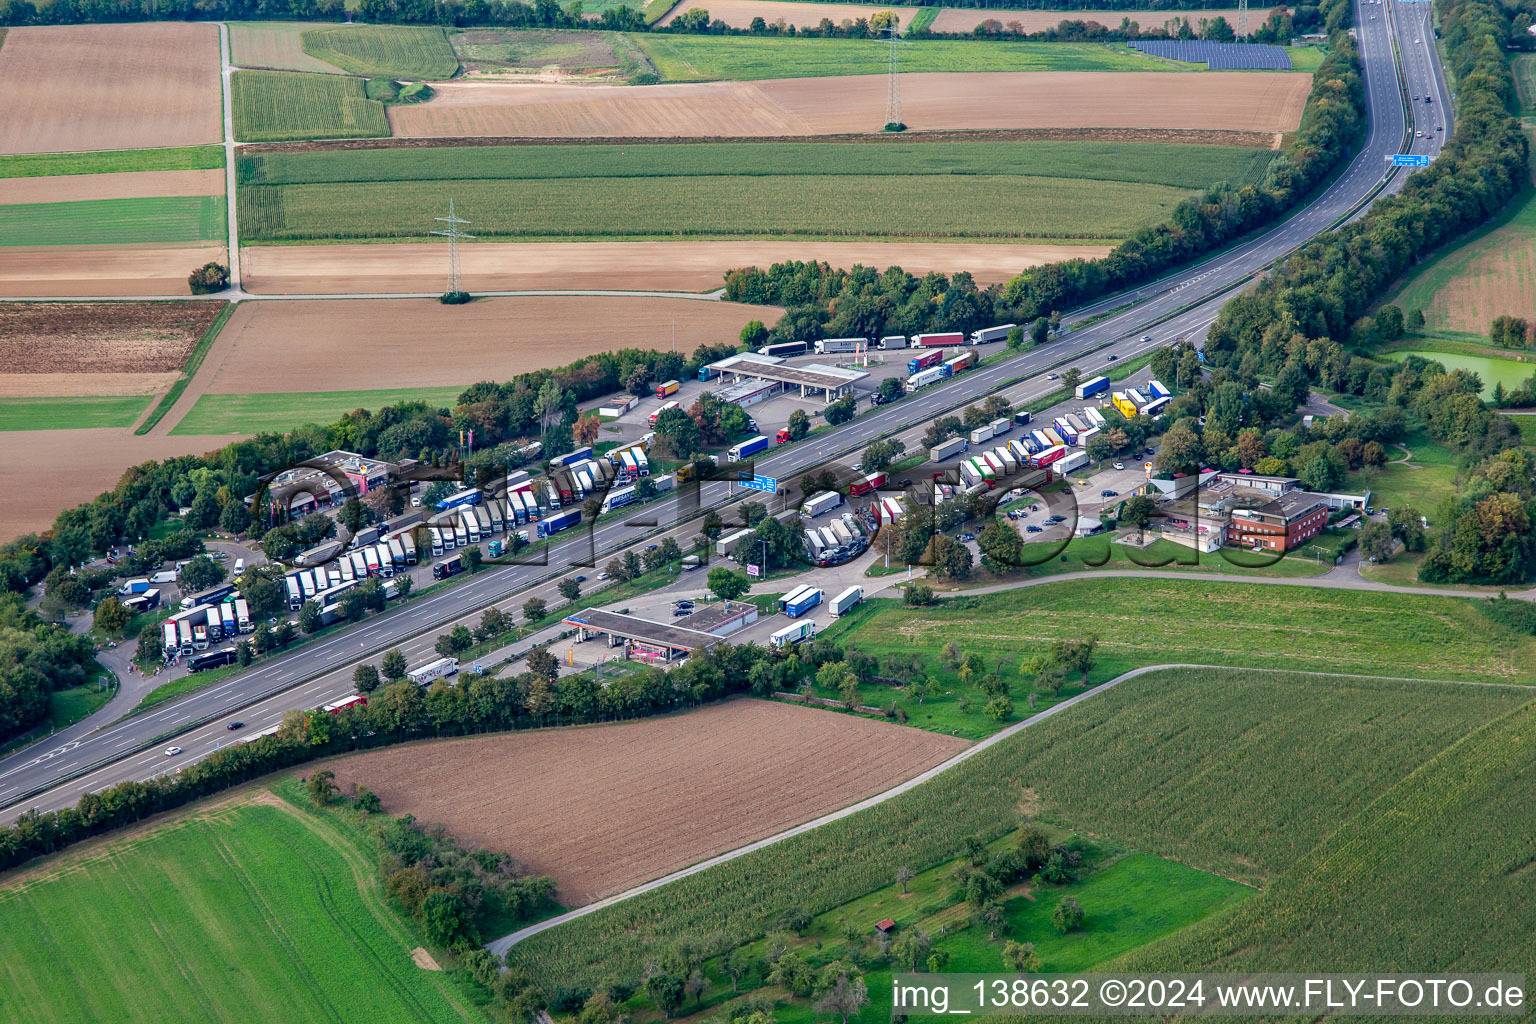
x: 727, y: 584
x: 365, y: 678
x: 111, y: 616
x: 321, y: 786
x: 799, y: 425
x: 534, y: 609
x: 569, y: 588
x: 394, y: 664
x: 904, y: 875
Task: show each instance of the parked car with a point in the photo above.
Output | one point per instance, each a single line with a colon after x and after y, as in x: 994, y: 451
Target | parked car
x: 1119, y: 465
x: 1109, y: 494
x: 1032, y: 529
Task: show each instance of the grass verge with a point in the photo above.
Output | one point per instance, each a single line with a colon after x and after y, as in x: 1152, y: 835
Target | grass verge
x: 37, y: 165
x: 71, y: 413
x: 188, y: 370
x: 251, y: 414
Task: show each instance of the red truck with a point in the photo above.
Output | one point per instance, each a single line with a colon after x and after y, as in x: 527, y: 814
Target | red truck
x: 867, y: 485
x: 783, y: 436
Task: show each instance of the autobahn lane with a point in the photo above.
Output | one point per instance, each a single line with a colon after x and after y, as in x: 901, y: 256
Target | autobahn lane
x: 1175, y: 307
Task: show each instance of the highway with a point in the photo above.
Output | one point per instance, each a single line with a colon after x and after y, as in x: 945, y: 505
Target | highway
x: 1177, y: 306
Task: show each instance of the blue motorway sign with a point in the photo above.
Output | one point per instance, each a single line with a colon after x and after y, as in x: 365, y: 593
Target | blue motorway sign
x: 1410, y: 160
x: 758, y: 483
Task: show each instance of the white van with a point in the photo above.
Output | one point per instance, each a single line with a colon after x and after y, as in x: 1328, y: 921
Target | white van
x: 239, y: 566
x: 163, y: 576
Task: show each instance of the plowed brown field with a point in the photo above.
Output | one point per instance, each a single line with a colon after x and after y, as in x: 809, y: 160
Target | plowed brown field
x: 47, y: 471
x: 74, y: 188
x: 91, y: 87
x: 100, y: 337
x: 102, y: 270
x: 361, y: 344
x: 814, y: 106
x: 604, y: 808
x: 645, y: 266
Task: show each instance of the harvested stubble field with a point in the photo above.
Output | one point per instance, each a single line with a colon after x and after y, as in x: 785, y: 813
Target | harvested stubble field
x: 51, y: 470
x: 100, y: 337
x: 283, y: 106
x: 603, y: 808
x: 1491, y: 275
x: 80, y: 188
x: 360, y: 344
x: 96, y: 87
x: 389, y: 51
x: 1233, y: 101
x: 659, y: 266
x: 274, y: 46
x: 102, y: 270
x: 156, y: 221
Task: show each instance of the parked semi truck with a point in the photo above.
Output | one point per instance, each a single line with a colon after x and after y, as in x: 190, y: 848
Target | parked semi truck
x: 868, y: 484
x: 988, y: 335
x: 821, y: 503
x: 726, y: 545
x: 799, y: 601
x: 562, y: 520
x: 794, y: 633
x: 828, y: 346
x: 1091, y: 387
x: 962, y: 362
x: 784, y: 349
x: 948, y: 450
x: 450, y: 566
x: 952, y: 339
x: 981, y: 434
x: 667, y: 389
x: 846, y: 601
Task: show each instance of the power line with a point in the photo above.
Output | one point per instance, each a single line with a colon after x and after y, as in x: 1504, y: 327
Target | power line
x: 453, y: 234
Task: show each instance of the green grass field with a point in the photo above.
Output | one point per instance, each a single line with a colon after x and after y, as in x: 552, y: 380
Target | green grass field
x: 1098, y: 552
x: 702, y: 58
x: 1147, y: 163
x: 1524, y: 68
x: 285, y: 106
x: 392, y: 51
x: 1433, y: 875
x: 1229, y: 623
x: 250, y: 414
x: 1423, y: 480
x: 251, y: 910
x: 1031, y: 190
x: 1224, y: 771
x: 160, y: 220
x: 74, y: 413
x: 36, y: 165
x: 975, y: 206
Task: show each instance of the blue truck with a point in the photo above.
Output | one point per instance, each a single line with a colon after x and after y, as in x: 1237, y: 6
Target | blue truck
x: 747, y: 449
x: 1095, y: 386
x: 571, y: 458
x: 461, y: 500
x: 557, y: 521
x: 799, y: 601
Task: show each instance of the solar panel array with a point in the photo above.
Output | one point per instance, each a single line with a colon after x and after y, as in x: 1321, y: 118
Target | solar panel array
x: 1220, y: 56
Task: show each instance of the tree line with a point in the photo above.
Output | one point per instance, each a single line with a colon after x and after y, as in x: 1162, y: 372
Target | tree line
x: 822, y: 301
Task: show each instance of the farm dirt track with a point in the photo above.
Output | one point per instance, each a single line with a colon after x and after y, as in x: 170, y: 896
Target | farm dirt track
x: 48, y: 471
x: 1236, y: 100
x: 74, y: 188
x: 100, y: 338
x: 102, y: 270
x: 963, y: 19
x: 362, y: 344
x: 94, y: 87
x: 607, y: 807
x: 648, y: 266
